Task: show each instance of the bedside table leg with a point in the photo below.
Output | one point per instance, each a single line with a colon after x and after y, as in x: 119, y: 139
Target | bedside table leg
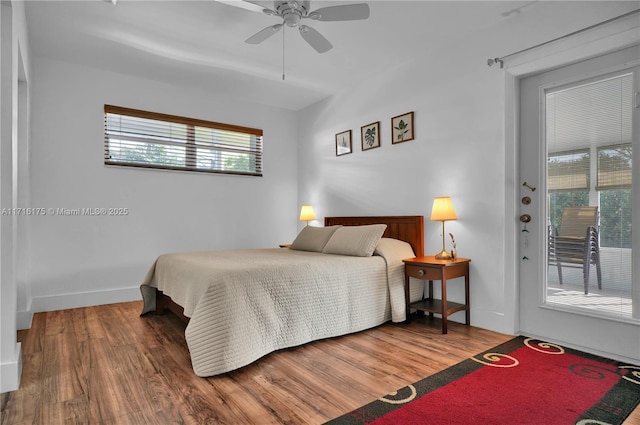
x: 430, y: 296
x: 444, y: 304
x: 407, y: 299
x: 467, y: 311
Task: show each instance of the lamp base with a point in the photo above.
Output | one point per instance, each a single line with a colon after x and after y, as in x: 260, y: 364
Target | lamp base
x: 443, y: 255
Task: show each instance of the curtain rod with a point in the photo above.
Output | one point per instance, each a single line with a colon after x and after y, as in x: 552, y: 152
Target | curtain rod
x: 501, y: 59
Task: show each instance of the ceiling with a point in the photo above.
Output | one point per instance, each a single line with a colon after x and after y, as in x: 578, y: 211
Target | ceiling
x: 201, y: 43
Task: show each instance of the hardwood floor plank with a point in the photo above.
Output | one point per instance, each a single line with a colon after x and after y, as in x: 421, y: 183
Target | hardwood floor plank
x: 122, y: 381
x: 62, y: 379
x: 313, y: 399
x: 107, y: 365
x: 94, y: 324
x: 49, y: 413
x: 237, y: 402
x: 288, y: 408
x: 80, y: 324
x: 342, y: 369
x: 268, y: 399
x: 103, y: 387
x: 118, y: 331
x: 151, y: 417
x: 18, y: 409
x: 192, y: 396
x: 59, y: 321
x: 137, y: 330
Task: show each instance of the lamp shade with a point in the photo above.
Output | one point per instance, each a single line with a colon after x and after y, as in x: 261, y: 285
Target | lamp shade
x: 443, y: 209
x: 306, y: 213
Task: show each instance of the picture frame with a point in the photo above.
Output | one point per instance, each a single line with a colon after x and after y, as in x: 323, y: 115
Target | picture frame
x: 402, y: 128
x: 370, y: 136
x: 343, y: 143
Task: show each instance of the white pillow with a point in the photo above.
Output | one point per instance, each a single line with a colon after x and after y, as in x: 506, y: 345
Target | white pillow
x: 313, y: 238
x: 357, y: 241
x: 392, y: 248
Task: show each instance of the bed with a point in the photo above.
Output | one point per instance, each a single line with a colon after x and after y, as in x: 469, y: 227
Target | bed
x: 243, y: 304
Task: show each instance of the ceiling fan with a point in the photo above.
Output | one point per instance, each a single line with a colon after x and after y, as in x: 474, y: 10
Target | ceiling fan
x: 293, y: 12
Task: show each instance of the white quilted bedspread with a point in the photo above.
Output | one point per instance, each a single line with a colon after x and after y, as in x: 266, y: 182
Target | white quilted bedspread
x: 245, y: 304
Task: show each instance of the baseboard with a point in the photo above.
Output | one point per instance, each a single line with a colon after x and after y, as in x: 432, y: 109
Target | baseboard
x: 23, y: 319
x: 491, y: 320
x: 10, y: 372
x: 84, y: 299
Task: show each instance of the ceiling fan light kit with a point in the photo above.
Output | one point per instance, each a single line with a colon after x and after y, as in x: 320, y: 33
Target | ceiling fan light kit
x: 293, y: 12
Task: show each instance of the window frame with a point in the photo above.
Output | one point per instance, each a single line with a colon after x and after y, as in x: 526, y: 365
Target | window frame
x: 191, y: 144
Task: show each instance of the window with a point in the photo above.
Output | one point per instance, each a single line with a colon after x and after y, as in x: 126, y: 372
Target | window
x: 150, y: 140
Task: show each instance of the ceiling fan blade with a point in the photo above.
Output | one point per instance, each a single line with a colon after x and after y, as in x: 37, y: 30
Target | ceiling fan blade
x: 247, y: 5
x: 347, y: 12
x: 262, y: 35
x: 257, y: 6
x: 315, y: 39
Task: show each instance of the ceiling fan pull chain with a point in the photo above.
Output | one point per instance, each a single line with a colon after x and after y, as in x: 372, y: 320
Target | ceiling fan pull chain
x: 283, y: 30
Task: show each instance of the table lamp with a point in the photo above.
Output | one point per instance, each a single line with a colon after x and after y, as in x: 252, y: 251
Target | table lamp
x: 442, y: 210
x: 306, y: 213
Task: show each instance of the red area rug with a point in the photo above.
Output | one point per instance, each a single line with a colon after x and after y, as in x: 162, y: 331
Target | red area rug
x: 523, y: 381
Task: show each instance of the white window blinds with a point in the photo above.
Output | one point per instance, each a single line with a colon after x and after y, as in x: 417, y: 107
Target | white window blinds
x: 568, y: 170
x: 588, y: 133
x: 614, y: 167
x: 146, y: 139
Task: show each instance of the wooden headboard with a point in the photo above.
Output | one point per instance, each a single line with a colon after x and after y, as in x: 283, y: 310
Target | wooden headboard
x: 408, y: 228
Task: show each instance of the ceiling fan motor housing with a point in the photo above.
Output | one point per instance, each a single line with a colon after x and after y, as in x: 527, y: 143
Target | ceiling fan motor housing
x: 292, y: 11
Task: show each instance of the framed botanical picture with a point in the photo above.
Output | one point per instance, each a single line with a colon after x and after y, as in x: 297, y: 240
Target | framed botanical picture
x: 343, y: 143
x: 402, y: 129
x: 370, y: 136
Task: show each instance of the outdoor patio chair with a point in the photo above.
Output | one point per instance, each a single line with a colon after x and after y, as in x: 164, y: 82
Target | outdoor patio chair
x: 576, y: 243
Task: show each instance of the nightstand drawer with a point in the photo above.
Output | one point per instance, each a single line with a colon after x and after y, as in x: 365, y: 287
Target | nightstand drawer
x: 423, y: 272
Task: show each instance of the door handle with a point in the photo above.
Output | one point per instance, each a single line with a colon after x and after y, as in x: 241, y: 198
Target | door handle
x: 525, y: 218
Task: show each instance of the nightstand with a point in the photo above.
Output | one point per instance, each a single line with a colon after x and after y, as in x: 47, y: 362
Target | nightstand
x: 429, y: 268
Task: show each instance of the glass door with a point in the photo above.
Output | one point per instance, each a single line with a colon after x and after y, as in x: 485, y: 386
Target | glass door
x: 589, y: 151
x: 578, y: 138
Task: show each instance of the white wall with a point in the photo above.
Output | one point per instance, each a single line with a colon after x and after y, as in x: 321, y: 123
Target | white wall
x: 460, y: 149
x: 457, y: 151
x: 87, y: 260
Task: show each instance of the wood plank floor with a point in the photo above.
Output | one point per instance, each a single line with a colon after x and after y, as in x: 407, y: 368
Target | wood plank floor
x: 106, y: 365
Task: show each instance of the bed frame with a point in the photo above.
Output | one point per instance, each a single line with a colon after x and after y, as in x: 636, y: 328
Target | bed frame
x: 408, y: 228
